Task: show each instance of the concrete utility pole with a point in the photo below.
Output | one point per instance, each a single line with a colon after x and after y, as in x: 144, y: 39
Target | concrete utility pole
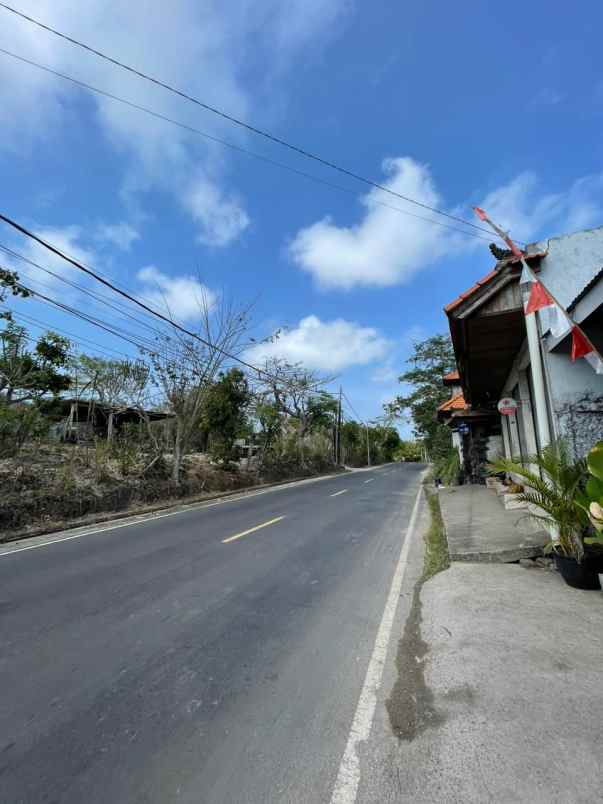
x: 338, y: 432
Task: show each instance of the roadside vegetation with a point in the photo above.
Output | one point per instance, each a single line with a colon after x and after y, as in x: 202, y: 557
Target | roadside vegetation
x: 436, y: 546
x: 82, y: 434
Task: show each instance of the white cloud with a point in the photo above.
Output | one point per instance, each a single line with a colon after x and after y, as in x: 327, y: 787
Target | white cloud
x: 181, y: 297
x: 387, y: 248
x: 324, y: 345
x: 385, y: 374
x: 200, y: 46
x: 221, y: 219
x: 523, y: 208
x: 121, y: 235
x: 68, y: 240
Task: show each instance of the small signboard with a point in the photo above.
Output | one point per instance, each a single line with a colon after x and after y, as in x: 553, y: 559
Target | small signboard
x: 507, y: 406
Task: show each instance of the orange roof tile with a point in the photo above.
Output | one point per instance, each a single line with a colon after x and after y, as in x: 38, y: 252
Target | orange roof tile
x: 456, y: 402
x: 452, y: 375
x: 485, y: 279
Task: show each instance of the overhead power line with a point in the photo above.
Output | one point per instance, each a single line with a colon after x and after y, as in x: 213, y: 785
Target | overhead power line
x: 80, y: 266
x: 238, y: 122
x: 79, y: 340
x: 120, y: 309
x: 352, y: 409
x: 240, y: 149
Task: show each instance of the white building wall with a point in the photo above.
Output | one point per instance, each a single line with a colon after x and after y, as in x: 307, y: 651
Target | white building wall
x: 576, y: 399
x: 575, y: 392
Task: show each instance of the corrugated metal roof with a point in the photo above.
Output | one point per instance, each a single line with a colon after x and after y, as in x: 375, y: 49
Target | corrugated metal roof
x: 585, y: 290
x: 573, y: 263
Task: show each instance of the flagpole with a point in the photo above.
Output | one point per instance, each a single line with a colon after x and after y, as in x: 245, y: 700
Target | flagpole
x: 538, y: 382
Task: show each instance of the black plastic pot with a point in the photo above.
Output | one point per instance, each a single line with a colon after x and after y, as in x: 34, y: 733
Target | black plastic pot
x: 580, y: 576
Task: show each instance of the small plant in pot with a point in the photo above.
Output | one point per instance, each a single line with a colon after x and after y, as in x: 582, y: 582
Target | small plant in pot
x: 591, y: 501
x: 552, y: 485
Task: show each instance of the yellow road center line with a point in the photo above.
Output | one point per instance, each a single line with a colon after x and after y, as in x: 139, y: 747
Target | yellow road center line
x: 337, y: 493
x: 252, y: 530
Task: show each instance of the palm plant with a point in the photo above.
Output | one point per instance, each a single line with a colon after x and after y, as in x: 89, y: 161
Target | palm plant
x: 553, y: 484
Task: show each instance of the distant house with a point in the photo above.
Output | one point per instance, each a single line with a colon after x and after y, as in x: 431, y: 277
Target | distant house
x: 500, y: 353
x: 84, y: 420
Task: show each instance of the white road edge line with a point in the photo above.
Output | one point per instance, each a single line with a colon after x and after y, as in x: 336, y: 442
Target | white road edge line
x: 337, y: 493
x: 345, y: 790
x: 369, y: 481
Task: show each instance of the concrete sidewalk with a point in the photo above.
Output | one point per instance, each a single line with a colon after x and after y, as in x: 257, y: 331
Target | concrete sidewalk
x: 510, y: 705
x: 478, y: 527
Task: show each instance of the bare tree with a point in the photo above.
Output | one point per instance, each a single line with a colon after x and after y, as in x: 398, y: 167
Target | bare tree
x: 185, y: 368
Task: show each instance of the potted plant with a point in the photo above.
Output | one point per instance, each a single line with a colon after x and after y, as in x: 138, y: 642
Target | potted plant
x: 592, y: 503
x: 553, y: 483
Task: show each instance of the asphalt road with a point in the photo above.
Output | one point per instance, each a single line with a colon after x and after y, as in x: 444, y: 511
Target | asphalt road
x: 170, y: 661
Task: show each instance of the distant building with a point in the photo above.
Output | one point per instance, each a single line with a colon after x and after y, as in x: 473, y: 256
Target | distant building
x: 84, y: 420
x: 496, y: 358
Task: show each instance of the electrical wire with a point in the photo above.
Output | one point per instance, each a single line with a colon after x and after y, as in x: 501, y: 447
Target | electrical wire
x: 359, y: 418
x: 239, y: 148
x: 97, y: 296
x: 79, y: 340
x: 80, y: 266
x: 236, y: 121
x: 259, y: 371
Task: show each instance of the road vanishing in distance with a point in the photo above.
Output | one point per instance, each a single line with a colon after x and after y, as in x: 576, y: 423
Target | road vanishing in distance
x: 214, y: 655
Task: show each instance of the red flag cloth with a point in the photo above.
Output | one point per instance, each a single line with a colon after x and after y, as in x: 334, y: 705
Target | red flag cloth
x: 580, y: 344
x: 480, y: 213
x: 538, y: 298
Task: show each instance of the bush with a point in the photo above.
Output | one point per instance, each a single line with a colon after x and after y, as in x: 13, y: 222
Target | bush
x: 448, y: 468
x: 18, y: 424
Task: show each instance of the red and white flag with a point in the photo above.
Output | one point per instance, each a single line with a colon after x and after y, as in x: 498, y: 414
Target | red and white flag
x: 539, y: 298
x: 553, y: 316
x: 554, y: 319
x: 595, y: 361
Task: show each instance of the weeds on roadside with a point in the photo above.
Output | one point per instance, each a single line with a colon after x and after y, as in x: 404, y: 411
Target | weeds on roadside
x: 436, y: 547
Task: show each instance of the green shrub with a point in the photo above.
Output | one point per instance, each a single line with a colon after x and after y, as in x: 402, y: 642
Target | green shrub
x: 448, y: 468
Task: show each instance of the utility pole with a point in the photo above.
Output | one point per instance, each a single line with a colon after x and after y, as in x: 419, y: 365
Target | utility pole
x: 338, y: 432
x: 368, y: 446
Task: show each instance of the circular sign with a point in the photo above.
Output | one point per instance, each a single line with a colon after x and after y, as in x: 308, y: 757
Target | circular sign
x: 507, y: 406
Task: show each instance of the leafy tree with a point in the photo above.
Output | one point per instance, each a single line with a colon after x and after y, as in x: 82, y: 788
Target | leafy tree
x: 9, y: 284
x: 385, y: 441
x: 31, y: 375
x: 431, y: 360
x: 353, y: 443
x: 409, y: 451
x: 270, y: 421
x: 224, y: 417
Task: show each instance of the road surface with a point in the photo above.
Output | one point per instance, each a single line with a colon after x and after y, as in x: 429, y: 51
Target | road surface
x: 215, y: 655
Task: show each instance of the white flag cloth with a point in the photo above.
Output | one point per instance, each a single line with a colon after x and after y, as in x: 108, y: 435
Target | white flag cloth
x: 595, y: 362
x: 527, y: 275
x: 554, y: 319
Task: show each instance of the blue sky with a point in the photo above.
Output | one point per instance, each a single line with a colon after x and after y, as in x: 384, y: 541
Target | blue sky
x: 499, y: 105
